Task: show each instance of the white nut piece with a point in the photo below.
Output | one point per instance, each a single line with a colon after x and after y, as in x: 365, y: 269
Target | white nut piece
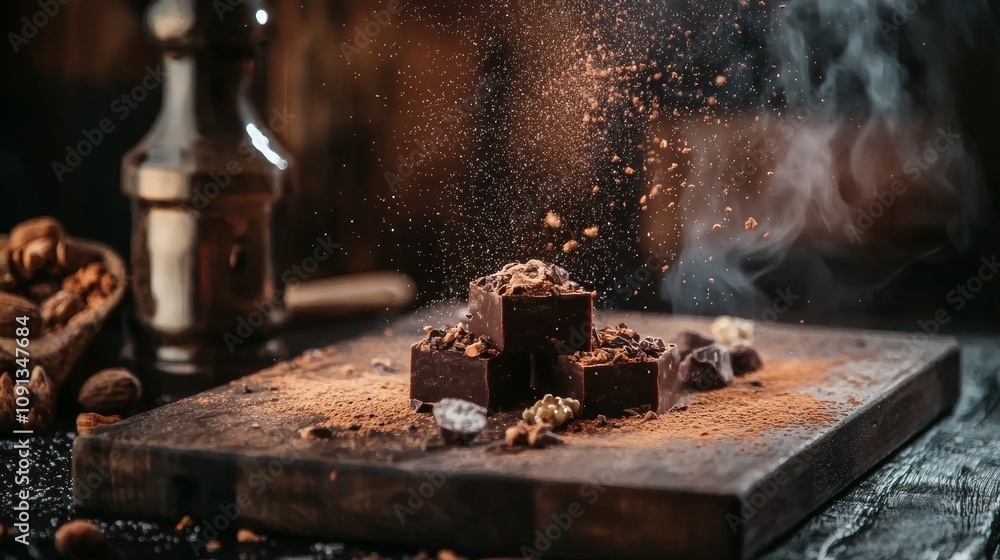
x: 552, y: 410
x: 732, y: 331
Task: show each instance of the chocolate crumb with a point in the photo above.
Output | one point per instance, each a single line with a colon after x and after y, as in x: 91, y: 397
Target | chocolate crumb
x: 602, y: 420
x: 417, y: 405
x: 383, y: 365
x: 184, y: 524
x: 354, y: 427
x: 756, y: 383
x: 316, y: 433
x: 649, y: 416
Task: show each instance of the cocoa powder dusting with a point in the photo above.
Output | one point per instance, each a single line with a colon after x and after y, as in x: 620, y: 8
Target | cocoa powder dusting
x: 370, y: 411
x: 775, y: 398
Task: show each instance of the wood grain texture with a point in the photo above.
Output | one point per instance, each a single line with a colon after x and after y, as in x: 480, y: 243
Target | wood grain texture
x: 937, y: 498
x: 707, y: 498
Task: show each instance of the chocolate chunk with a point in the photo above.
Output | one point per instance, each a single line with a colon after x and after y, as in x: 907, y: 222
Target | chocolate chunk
x: 689, y: 341
x: 669, y: 384
x: 621, y: 373
x: 707, y: 368
x: 417, y: 405
x: 460, y: 421
x: 559, y: 323
x: 745, y: 360
x: 605, y: 388
x: 489, y: 379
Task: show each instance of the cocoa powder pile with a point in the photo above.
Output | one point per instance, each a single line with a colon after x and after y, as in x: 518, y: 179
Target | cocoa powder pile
x: 533, y: 278
x: 367, y: 411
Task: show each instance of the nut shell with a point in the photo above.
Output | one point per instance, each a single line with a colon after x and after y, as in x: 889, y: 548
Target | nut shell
x: 60, y: 308
x: 110, y: 391
x: 36, y: 228
x: 12, y: 307
x: 6, y: 403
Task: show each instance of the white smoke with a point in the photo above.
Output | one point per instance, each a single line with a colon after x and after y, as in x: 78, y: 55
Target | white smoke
x: 864, y: 102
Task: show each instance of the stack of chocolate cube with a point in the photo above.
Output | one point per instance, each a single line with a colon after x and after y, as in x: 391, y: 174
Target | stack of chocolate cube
x: 530, y: 333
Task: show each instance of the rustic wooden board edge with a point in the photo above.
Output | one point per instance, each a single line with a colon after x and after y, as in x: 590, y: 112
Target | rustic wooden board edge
x: 91, y: 456
x: 911, y: 406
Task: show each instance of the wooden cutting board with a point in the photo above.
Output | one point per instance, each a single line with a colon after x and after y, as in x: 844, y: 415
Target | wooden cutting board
x: 722, y: 476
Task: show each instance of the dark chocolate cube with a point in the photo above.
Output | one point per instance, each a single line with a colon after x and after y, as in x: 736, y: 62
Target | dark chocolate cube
x: 558, y: 324
x: 606, y: 389
x: 497, y: 383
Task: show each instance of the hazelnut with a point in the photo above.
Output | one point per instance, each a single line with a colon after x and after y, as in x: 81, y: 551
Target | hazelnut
x: 552, y: 410
x: 80, y: 539
x: 732, y: 331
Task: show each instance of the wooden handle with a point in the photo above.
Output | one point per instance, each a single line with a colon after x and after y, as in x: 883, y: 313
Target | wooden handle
x: 347, y: 295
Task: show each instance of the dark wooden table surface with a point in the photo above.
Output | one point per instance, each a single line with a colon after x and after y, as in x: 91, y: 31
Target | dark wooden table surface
x: 937, y: 498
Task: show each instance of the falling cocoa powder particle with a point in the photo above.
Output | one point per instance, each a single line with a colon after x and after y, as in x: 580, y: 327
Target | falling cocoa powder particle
x: 590, y: 232
x: 571, y: 246
x: 716, y: 227
x: 751, y: 223
x: 553, y: 220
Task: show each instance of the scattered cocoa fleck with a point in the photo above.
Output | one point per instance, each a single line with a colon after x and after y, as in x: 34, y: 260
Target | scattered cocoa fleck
x: 590, y: 232
x: 247, y: 536
x: 571, y: 246
x: 751, y: 223
x: 184, y: 524
x: 553, y: 220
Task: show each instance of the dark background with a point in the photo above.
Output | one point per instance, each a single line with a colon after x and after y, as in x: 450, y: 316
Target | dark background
x: 352, y: 120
